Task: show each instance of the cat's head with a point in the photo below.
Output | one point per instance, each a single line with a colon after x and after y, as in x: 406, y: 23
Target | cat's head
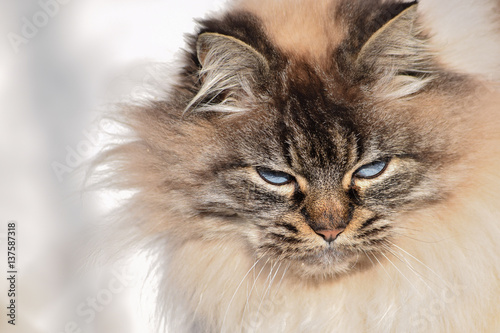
x: 309, y: 157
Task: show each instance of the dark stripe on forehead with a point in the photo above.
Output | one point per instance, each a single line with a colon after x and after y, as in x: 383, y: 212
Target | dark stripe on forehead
x: 356, y: 143
x: 284, y: 139
x: 317, y: 136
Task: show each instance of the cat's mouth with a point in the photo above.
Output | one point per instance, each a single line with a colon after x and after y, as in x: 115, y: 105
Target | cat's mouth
x: 328, y: 261
x: 330, y: 254
x: 309, y: 254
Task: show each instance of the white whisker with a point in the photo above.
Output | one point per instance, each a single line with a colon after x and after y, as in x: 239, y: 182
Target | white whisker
x: 357, y: 260
x: 281, y: 280
x: 369, y: 257
x: 267, y: 282
x: 403, y: 259
x: 268, y: 289
x: 423, y: 264
x: 238, y: 287
x: 247, y: 305
x: 404, y: 276
x: 386, y: 272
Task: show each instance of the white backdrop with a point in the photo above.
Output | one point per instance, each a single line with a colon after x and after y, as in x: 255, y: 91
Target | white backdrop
x: 58, y: 60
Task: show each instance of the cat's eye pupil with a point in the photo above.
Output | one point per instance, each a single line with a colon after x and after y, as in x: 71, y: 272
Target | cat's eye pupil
x: 274, y: 177
x: 371, y: 170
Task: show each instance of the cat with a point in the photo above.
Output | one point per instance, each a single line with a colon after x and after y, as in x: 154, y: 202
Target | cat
x: 320, y: 166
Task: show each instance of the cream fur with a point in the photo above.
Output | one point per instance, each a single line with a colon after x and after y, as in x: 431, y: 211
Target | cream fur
x: 282, y: 18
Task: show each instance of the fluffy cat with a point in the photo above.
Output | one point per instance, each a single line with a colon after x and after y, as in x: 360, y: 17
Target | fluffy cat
x: 322, y: 166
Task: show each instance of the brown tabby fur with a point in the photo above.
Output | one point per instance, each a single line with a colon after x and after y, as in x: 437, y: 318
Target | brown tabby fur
x: 318, y: 89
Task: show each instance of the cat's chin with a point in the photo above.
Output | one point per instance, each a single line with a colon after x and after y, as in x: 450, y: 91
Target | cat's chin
x: 328, y: 264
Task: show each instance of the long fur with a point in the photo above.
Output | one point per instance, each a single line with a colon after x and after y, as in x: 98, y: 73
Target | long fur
x: 440, y: 274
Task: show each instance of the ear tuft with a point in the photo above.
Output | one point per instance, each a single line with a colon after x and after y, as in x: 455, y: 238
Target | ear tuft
x: 229, y: 71
x: 398, y: 54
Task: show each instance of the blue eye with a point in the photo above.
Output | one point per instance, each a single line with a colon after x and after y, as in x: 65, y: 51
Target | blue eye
x: 371, y: 170
x: 274, y: 177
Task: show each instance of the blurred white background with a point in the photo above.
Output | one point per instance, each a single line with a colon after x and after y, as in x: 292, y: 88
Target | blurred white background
x: 58, y: 62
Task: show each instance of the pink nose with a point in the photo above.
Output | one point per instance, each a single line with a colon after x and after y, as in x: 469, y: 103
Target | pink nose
x: 330, y: 235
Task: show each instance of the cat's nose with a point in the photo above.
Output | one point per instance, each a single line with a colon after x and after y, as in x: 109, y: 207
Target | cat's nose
x: 331, y: 234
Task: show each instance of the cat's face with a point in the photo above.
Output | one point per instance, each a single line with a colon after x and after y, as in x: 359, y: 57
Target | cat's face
x: 318, y: 184
x: 313, y: 163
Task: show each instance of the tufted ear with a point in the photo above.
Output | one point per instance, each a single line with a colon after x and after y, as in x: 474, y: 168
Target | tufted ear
x: 229, y: 70
x: 398, y: 53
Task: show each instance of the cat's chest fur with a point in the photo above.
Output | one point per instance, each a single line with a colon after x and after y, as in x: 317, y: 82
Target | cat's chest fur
x: 438, y: 287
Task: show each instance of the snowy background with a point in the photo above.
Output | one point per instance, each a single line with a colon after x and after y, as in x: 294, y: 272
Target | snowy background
x: 59, y: 60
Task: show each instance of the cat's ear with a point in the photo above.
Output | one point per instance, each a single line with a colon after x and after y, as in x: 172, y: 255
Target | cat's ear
x: 229, y: 69
x: 397, y: 53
